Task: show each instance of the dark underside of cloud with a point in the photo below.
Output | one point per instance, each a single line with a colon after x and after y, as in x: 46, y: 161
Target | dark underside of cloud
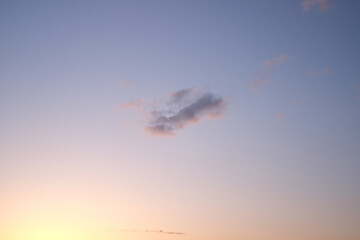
x: 185, y: 107
x: 166, y: 116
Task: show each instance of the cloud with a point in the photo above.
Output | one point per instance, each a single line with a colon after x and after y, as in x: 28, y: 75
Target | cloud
x: 281, y: 116
x: 276, y: 61
x: 136, y: 104
x: 179, y: 110
x: 257, y: 84
x: 320, y: 72
x: 180, y: 95
x: 265, y: 72
x: 123, y: 84
x: 322, y: 5
x: 184, y: 108
x: 149, y: 231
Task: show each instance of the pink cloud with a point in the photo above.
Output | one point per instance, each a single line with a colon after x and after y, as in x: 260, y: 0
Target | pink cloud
x: 276, y: 61
x: 281, y: 116
x: 322, y: 5
x: 257, y: 84
x: 123, y: 84
x: 135, y: 104
x: 265, y: 72
x: 320, y: 72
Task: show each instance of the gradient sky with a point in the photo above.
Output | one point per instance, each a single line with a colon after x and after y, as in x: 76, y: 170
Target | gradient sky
x: 265, y: 145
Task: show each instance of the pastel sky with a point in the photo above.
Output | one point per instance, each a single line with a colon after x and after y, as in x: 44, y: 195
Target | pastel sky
x: 187, y: 120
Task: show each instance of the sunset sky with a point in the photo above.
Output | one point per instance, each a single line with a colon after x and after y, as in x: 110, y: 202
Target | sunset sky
x: 180, y: 119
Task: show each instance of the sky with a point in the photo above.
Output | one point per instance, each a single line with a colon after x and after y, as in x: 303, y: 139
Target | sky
x: 187, y: 120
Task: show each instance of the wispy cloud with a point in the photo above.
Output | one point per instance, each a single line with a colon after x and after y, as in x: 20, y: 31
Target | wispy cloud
x: 135, y: 104
x: 179, y: 110
x: 321, y: 5
x: 123, y: 84
x: 281, y: 116
x: 148, y: 231
x: 258, y: 83
x: 277, y: 60
x: 319, y: 72
x: 265, y: 71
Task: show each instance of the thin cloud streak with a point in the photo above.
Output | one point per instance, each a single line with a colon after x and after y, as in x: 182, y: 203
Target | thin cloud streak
x: 257, y: 84
x: 277, y: 60
x: 319, y: 72
x: 321, y: 5
x: 265, y: 72
x: 179, y: 110
x: 123, y: 84
x: 135, y: 104
x: 148, y: 231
